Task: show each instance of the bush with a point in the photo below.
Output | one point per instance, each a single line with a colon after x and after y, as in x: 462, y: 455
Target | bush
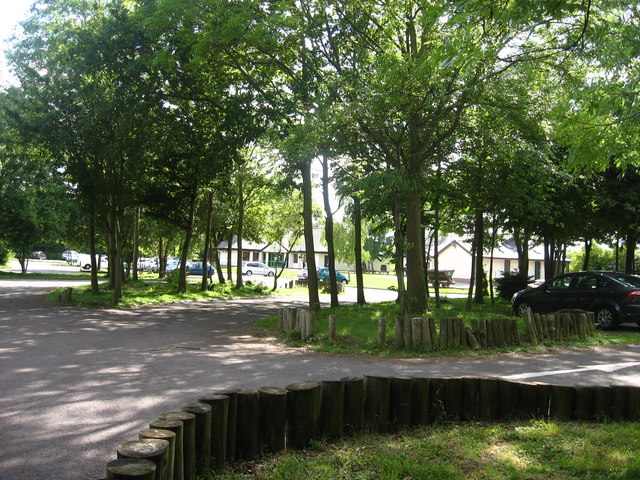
x: 510, y: 283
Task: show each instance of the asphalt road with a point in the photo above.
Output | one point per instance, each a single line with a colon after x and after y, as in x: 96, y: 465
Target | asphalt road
x: 75, y: 383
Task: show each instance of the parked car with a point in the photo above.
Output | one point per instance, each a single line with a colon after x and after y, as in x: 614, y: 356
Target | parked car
x: 38, y: 255
x: 84, y: 261
x: 71, y: 256
x: 172, y: 264
x: 148, y: 265
x: 614, y: 297
x: 323, y: 274
x: 303, y: 274
x: 195, y: 268
x: 259, y: 268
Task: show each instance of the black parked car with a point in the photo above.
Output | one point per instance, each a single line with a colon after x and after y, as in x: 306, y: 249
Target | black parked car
x: 614, y: 297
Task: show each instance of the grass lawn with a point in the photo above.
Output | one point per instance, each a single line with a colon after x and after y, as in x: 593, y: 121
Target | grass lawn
x: 534, y: 450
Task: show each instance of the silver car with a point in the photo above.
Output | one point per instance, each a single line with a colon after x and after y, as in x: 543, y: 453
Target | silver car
x: 259, y: 268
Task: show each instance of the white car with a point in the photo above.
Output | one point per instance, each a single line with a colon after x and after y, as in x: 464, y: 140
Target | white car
x: 84, y: 261
x: 259, y: 268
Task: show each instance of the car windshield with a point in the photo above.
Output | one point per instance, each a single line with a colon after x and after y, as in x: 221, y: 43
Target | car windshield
x: 628, y: 279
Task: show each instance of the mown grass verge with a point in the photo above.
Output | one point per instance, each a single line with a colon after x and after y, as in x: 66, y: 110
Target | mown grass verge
x: 141, y: 292
x: 534, y: 450
x: 357, y: 330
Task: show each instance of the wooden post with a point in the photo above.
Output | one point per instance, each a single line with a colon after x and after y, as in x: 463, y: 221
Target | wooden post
x: 400, y: 407
x: 487, y: 399
x: 471, y: 339
x: 219, y: 424
x: 399, y: 332
x: 149, y: 449
x: 131, y: 469
x: 561, y: 405
x: 170, y: 437
x: 303, y: 413
x: 408, y: 334
x: 453, y: 397
x: 470, y: 398
x: 382, y: 331
x: 303, y: 323
x: 531, y: 328
x: 509, y: 400
x: 583, y: 403
x: 281, y: 319
x: 332, y: 327
x: 633, y: 404
x: 455, y: 332
x: 416, y: 333
x: 426, y: 334
x: 377, y: 396
x: 65, y: 296
x: 436, y: 399
x: 332, y: 408
x: 188, y: 441
x: 420, y: 401
x: 618, y: 402
x: 483, y: 328
x: 247, y: 424
x: 434, y: 333
x: 516, y: 332
x: 273, y: 418
x: 232, y: 415
x: 353, y: 404
x: 444, y: 333
x: 175, y: 426
x: 491, y: 338
x: 202, y: 411
x: 310, y: 322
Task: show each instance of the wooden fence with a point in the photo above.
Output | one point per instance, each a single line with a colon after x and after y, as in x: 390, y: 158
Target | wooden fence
x: 245, y: 424
x: 452, y: 333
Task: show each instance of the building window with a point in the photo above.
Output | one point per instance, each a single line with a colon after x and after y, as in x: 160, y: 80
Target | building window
x: 256, y: 256
x: 507, y: 266
x: 538, y: 270
x: 295, y: 258
x: 245, y: 256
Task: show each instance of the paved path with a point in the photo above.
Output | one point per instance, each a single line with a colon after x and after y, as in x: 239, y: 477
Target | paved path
x: 76, y: 382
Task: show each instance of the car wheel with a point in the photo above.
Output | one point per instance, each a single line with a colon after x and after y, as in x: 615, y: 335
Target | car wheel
x: 606, y: 318
x: 270, y: 274
x: 249, y: 272
x: 87, y: 266
x: 345, y: 281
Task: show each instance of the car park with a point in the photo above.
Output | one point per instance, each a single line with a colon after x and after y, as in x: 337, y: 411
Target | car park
x: 258, y: 268
x: 614, y: 297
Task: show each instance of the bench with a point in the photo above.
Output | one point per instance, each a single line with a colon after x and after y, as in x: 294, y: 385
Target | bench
x: 445, y: 277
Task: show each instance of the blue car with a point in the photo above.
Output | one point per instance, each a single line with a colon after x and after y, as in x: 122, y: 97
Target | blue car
x: 195, y: 268
x: 323, y: 275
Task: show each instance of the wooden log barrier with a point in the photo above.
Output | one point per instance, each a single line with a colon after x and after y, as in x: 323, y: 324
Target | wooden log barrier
x: 353, y: 404
x: 561, y: 404
x: 618, y: 402
x: 434, y: 332
x: 273, y: 418
x: 202, y: 412
x: 65, y: 296
x: 332, y: 328
x: 303, y: 323
x: 400, y: 402
x: 408, y: 332
x: 472, y: 341
x: 281, y: 319
x: 470, y: 398
x: 508, y: 400
x: 131, y: 469
x: 487, y: 399
x: 303, y: 413
x: 175, y: 426
x: 377, y: 396
x: 247, y: 424
x: 232, y: 416
x: 170, y: 437
x: 425, y: 334
x: 382, y: 331
x: 188, y: 441
x: 148, y: 449
x: 436, y: 400
x: 416, y: 333
x: 444, y: 333
x: 420, y: 401
x: 453, y: 397
x: 332, y: 405
x: 530, y: 326
x: 398, y: 341
x: 633, y: 404
x: 583, y: 407
x: 219, y: 424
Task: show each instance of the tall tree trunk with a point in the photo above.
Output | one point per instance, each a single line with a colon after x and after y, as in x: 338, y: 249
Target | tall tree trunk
x: 416, y: 290
x: 474, y: 252
x: 186, y: 246
x: 162, y: 258
x: 357, y: 225
x: 230, y: 256
x: 398, y: 243
x: 95, y: 287
x: 328, y: 232
x: 240, y: 233
x: 136, y: 228
x: 549, y: 257
x: 307, y: 214
x: 207, y: 246
x: 216, y: 257
x: 587, y: 254
x: 521, y: 239
x: 617, y: 254
x: 629, y: 262
x: 494, y: 233
x: 479, y: 270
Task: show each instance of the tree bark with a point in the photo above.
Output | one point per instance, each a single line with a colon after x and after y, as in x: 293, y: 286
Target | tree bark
x: 239, y: 234
x: 629, y: 262
x: 186, y: 246
x: 328, y: 229
x: 479, y: 270
x: 398, y: 243
x: 136, y: 229
x: 416, y: 289
x: 204, y: 284
x: 357, y: 223
x: 312, y: 277
x: 95, y: 288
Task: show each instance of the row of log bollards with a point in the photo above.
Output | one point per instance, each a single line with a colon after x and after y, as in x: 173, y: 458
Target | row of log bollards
x: 244, y: 424
x: 452, y: 333
x: 558, y: 326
